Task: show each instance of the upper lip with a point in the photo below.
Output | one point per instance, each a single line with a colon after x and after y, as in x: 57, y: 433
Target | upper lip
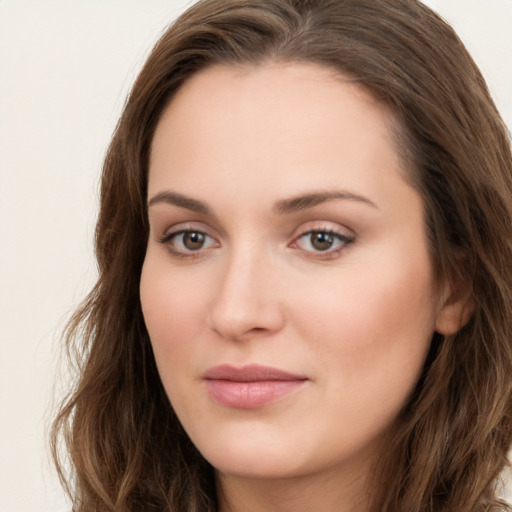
x: 249, y: 373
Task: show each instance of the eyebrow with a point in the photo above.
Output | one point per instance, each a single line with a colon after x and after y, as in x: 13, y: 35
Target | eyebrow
x: 173, y: 198
x: 282, y: 207
x: 305, y: 201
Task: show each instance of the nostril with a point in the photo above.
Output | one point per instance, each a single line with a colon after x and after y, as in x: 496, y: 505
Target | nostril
x: 257, y: 329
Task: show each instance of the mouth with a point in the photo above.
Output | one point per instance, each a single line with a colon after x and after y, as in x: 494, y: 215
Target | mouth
x: 250, y: 387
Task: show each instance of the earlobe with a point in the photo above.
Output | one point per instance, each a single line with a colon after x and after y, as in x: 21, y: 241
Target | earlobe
x: 455, y: 313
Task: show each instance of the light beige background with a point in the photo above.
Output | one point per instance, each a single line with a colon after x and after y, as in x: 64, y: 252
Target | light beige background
x: 65, y: 69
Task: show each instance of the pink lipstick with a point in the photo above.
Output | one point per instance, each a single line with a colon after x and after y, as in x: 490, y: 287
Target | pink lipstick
x: 250, y: 387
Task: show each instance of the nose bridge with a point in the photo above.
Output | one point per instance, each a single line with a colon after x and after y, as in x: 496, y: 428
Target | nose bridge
x: 245, y: 300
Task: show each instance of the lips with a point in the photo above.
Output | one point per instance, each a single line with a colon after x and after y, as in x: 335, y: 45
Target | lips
x: 250, y: 387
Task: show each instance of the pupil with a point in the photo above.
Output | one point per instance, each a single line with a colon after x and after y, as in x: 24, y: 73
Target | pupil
x: 193, y: 240
x: 322, y: 241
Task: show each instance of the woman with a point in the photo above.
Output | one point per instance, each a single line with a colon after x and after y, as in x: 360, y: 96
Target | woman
x: 305, y: 256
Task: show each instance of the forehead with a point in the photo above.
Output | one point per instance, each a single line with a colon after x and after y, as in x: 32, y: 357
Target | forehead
x: 280, y: 122
x: 276, y: 86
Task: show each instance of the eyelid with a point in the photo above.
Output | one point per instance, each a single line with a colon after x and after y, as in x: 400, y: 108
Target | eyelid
x: 187, y: 227
x: 327, y: 226
x: 345, y: 236
x: 180, y: 227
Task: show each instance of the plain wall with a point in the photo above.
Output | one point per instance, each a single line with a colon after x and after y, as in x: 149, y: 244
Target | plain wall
x: 65, y: 69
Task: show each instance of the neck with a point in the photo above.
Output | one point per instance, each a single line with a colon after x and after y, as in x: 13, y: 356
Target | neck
x: 323, y: 491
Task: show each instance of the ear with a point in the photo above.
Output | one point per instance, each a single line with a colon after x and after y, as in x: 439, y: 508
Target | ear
x: 456, y: 309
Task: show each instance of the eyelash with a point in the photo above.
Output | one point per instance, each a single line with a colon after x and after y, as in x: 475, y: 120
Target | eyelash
x: 343, y: 240
x: 185, y: 254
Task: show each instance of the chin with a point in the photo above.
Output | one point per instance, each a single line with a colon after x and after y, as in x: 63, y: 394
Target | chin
x: 254, y: 458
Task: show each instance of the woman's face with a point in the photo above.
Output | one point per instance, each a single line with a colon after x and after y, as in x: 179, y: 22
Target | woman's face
x: 287, y: 287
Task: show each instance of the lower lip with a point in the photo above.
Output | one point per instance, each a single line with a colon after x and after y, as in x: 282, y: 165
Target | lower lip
x: 250, y: 395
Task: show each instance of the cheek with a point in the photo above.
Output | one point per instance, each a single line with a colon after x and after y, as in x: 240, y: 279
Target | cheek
x: 171, y: 309
x: 376, y: 325
x: 372, y: 348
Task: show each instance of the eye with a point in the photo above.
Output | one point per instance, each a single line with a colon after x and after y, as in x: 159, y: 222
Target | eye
x: 188, y: 242
x: 319, y: 241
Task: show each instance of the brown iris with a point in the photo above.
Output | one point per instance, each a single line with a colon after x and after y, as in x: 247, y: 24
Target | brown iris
x: 193, y: 240
x: 321, y: 241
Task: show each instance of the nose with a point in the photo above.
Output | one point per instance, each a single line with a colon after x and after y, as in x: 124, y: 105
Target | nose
x: 246, y: 303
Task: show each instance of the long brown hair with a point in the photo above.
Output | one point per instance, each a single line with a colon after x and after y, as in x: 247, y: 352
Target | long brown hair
x: 127, y: 449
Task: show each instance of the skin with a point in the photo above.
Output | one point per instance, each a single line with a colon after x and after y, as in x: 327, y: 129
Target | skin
x: 355, y: 320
